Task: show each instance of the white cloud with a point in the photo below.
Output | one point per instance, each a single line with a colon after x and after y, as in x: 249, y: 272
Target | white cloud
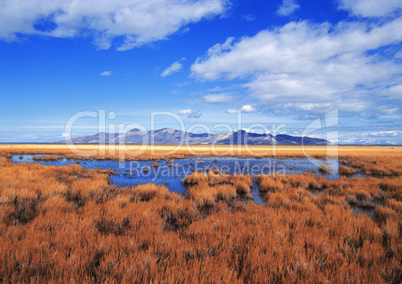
x: 306, y: 106
x: 287, y: 7
x: 231, y: 111
x: 218, y: 98
x: 371, y: 8
x: 137, y: 22
x: 388, y: 110
x: 247, y: 108
x: 394, y: 91
x: 391, y: 133
x: 106, y: 73
x: 175, y: 67
x: 186, y: 111
x: 304, y: 63
x: 190, y: 113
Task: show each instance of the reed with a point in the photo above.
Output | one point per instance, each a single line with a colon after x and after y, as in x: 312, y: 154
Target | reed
x: 325, y: 169
x: 345, y: 170
x: 68, y: 224
x: 47, y: 158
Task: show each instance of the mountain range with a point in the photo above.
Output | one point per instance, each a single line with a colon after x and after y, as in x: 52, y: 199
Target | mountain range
x: 170, y: 136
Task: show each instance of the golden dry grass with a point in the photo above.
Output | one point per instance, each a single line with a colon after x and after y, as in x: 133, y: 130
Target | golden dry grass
x: 67, y: 224
x: 359, y: 192
x: 132, y: 152
x: 206, y: 189
x: 47, y: 158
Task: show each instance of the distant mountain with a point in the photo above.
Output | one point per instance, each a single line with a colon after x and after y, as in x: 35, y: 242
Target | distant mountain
x: 171, y: 136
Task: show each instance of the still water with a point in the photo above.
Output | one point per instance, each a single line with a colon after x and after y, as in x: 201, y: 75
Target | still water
x: 172, y: 173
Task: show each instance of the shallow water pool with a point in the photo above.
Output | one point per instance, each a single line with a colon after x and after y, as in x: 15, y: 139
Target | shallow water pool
x: 171, y: 173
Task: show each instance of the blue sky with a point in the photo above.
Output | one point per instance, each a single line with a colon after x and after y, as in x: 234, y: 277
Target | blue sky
x: 278, y: 64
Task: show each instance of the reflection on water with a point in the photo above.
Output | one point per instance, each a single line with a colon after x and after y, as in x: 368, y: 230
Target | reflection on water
x: 171, y: 173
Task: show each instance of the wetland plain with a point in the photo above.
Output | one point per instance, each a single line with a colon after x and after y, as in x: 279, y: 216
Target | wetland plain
x: 96, y: 218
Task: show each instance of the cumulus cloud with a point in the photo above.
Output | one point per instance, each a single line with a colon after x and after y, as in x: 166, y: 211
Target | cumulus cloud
x: 175, y: 67
x: 287, y: 7
x: 135, y: 22
x: 371, y: 8
x: 190, y: 113
x: 311, y: 65
x: 247, y: 108
x: 106, y: 73
x: 217, y: 98
x: 186, y: 111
